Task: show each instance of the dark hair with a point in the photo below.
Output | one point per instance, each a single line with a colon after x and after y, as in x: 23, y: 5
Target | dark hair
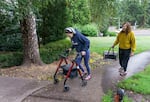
x: 128, y: 29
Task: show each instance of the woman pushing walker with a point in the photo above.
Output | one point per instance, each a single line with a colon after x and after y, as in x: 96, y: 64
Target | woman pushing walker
x: 81, y: 44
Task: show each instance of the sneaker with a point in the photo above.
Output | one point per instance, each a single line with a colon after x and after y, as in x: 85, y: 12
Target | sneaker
x: 123, y: 74
x: 84, y: 74
x: 88, y: 77
x: 121, y: 70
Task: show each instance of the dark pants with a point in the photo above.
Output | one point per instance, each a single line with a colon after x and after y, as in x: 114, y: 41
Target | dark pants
x: 86, y: 62
x: 124, y: 55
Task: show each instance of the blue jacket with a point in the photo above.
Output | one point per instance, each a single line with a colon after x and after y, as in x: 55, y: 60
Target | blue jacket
x: 80, y: 42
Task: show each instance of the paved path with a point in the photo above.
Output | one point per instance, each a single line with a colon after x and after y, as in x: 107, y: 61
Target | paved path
x: 138, y: 62
x: 138, y: 32
x: 15, y: 89
x: 142, y: 32
x: 54, y: 93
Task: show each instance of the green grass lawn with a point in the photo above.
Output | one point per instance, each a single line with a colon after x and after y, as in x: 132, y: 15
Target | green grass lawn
x: 139, y: 82
x: 100, y: 44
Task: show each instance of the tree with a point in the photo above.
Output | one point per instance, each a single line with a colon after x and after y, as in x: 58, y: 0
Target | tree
x: 29, y: 35
x: 54, y: 19
x: 78, y: 11
x: 145, y: 4
x: 101, y: 11
x: 10, y: 37
x: 135, y: 11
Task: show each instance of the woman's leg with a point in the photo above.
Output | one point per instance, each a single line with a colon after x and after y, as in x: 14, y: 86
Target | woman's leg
x: 125, y: 60
x: 121, y: 55
x: 86, y: 62
x: 78, y: 61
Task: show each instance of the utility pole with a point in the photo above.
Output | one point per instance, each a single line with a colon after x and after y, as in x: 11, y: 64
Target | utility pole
x: 119, y: 23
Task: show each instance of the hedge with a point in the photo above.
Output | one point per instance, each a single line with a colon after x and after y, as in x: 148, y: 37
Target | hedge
x: 49, y: 53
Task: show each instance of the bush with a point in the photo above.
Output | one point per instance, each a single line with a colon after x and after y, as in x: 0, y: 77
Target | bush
x: 48, y: 53
x: 104, y: 31
x: 88, y: 30
x: 10, y: 59
x: 110, y: 33
x: 54, y: 20
x: 11, y: 42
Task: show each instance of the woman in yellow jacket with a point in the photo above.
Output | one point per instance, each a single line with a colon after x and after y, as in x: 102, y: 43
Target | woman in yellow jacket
x: 127, y: 46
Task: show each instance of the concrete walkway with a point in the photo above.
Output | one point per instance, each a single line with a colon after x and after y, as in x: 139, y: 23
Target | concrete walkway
x: 16, y: 89
x: 138, y: 62
x: 137, y: 32
x: 54, y: 93
x: 103, y: 78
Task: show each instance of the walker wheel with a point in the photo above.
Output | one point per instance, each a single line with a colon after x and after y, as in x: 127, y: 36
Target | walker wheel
x: 84, y: 83
x: 66, y: 88
x: 56, y: 81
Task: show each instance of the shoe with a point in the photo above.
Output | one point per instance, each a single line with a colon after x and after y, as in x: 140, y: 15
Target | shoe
x: 88, y: 77
x: 123, y: 74
x: 121, y: 69
x: 84, y: 74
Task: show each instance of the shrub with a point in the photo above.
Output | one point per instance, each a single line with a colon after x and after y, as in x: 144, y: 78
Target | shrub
x: 10, y: 59
x: 54, y: 20
x: 11, y: 42
x: 108, y: 33
x: 88, y: 30
x: 104, y: 32
x: 50, y: 52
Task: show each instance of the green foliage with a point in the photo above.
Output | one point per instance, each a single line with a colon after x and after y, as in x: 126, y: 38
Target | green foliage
x: 135, y: 11
x: 58, y: 14
x: 12, y: 42
x: 10, y: 59
x: 108, y: 33
x: 50, y: 52
x: 138, y: 83
x: 107, y: 97
x: 10, y: 35
x: 8, y: 21
x: 101, y: 11
x: 88, y: 29
x: 127, y: 99
x: 54, y: 20
x: 132, y: 8
x: 78, y: 11
x: 24, y: 7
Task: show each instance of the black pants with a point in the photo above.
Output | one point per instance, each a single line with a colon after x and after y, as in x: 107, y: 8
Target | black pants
x: 124, y: 55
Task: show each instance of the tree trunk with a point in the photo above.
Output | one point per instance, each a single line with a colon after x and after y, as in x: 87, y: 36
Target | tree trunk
x: 30, y: 41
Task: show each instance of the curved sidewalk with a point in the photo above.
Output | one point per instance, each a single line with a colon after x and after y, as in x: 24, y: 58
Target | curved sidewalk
x: 16, y: 89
